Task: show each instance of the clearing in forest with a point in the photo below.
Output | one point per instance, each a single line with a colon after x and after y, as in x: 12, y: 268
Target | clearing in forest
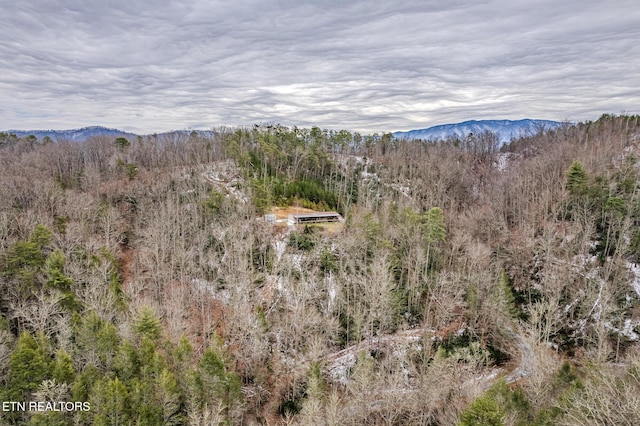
x: 284, y: 212
x: 282, y: 216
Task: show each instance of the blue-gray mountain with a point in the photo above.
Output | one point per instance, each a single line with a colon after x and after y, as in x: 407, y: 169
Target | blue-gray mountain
x: 76, y: 135
x: 84, y: 133
x: 505, y: 129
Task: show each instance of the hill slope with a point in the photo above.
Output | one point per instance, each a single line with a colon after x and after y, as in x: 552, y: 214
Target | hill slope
x: 145, y: 280
x: 76, y: 135
x: 505, y: 129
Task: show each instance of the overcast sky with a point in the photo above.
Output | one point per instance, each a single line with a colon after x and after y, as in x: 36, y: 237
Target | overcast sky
x: 369, y: 66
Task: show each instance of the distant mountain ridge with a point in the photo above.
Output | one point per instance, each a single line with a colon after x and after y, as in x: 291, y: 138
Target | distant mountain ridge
x: 505, y: 129
x: 76, y: 135
x: 84, y: 133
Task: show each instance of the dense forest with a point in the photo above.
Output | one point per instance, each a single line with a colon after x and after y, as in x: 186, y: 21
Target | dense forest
x: 469, y: 283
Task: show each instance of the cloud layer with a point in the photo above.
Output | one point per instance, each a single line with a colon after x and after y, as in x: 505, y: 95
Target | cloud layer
x: 376, y: 65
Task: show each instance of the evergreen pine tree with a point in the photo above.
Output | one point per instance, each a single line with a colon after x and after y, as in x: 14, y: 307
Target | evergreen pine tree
x: 577, y: 179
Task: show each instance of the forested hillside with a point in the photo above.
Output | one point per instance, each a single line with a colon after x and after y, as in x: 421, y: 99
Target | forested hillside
x: 466, y: 285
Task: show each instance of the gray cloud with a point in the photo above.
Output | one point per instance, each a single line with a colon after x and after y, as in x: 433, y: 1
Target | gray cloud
x: 375, y: 65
